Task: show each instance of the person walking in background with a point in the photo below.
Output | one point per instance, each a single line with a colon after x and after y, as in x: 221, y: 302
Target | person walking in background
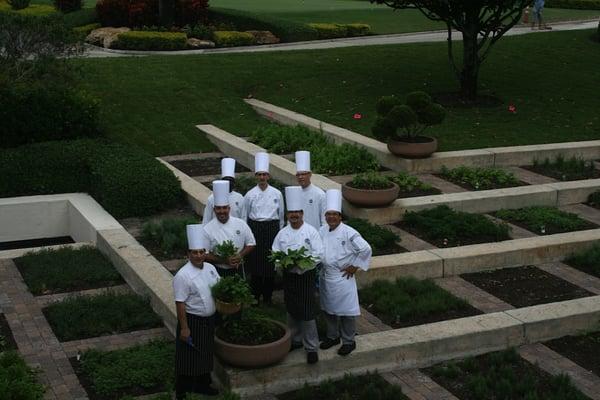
x: 538, y: 8
x: 236, y: 200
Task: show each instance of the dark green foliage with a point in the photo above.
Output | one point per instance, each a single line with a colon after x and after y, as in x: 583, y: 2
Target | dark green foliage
x: 370, y: 181
x: 198, y: 31
x: 342, y: 159
x: 408, y: 183
x: 67, y: 6
x: 380, y: 238
x: 408, y: 299
x: 370, y: 386
x: 385, y: 104
x: 125, y: 181
x: 169, y: 235
x: 18, y: 4
x: 281, y: 139
x: 17, y: 380
x: 143, y: 40
x: 330, y: 31
x: 576, y: 4
x: 81, y: 317
x: 114, y: 373
x: 232, y: 38
x: 358, y: 29
x: 251, y: 328
x: 480, y: 178
x: 544, y: 220
x: 66, y: 269
x: 85, y: 16
x: 574, y: 168
x: 448, y: 228
x: 587, y: 261
x: 233, y: 289
x: 594, y: 199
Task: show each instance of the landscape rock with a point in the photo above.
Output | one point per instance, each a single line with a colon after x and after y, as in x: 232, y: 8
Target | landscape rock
x: 105, y: 36
x: 194, y: 43
x: 264, y: 37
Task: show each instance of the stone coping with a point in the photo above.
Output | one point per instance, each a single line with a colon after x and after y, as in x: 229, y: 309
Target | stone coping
x: 492, y: 156
x: 197, y: 194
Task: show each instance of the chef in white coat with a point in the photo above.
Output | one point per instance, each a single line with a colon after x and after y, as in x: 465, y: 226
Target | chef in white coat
x: 236, y: 200
x: 345, y: 253
x: 312, y: 196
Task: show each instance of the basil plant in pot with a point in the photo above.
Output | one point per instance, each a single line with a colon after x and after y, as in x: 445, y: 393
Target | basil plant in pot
x: 401, y: 125
x: 230, y: 293
x: 370, y: 190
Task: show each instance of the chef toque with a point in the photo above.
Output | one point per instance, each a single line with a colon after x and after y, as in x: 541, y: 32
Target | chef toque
x: 261, y: 162
x: 334, y: 200
x: 221, y: 193
x: 302, y: 161
x: 196, y: 237
x: 293, y: 198
x: 227, y: 167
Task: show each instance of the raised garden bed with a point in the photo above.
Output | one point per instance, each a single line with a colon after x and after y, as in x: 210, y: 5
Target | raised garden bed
x: 66, y: 270
x: 594, y: 200
x: 82, y: 317
x: 480, y: 178
x: 501, y: 375
x: 562, y: 169
x: 584, y: 350
x: 411, y: 186
x: 25, y: 244
x: 365, y: 387
x: 136, y: 371
x: 166, y: 239
x: 445, y: 227
x: 382, y: 240
x: 204, y: 166
x: 587, y: 261
x: 7, y: 340
x: 409, y: 302
x: 545, y: 220
x: 525, y: 286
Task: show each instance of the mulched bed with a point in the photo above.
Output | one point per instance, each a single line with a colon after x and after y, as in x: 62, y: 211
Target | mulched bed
x: 440, y: 243
x: 559, y: 175
x: 205, y: 166
x: 418, y: 193
x: 24, y: 244
x: 472, y: 188
x: 7, y: 340
x: 584, y: 350
x: 467, y: 311
x: 525, y: 286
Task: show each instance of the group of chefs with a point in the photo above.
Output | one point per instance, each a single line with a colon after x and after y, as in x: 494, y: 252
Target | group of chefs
x: 255, y: 225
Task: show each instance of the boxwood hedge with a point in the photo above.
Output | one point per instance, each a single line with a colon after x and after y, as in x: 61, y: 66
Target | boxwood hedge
x: 143, y: 40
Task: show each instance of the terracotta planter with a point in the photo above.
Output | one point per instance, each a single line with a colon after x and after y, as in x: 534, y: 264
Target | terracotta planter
x: 370, y: 198
x: 254, y: 356
x: 422, y: 147
x: 227, y: 308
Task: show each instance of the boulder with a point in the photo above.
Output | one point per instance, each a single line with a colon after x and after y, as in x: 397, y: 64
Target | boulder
x: 104, y: 37
x: 264, y: 37
x: 194, y: 43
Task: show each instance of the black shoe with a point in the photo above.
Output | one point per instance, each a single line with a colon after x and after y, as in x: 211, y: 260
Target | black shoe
x: 296, y: 346
x: 328, y: 343
x: 312, y: 357
x: 347, y: 349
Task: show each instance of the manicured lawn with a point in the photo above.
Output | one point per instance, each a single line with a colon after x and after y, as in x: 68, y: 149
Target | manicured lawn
x: 155, y: 102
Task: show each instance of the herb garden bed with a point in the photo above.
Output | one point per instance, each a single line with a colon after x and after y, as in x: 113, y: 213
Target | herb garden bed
x: 66, y: 269
x: 584, y: 350
x: 408, y: 302
x: 24, y: 244
x: 545, y: 220
x: 411, y: 186
x: 587, y: 261
x: 7, y: 340
x: 166, y: 239
x: 565, y: 170
x: 525, y: 286
x: 474, y: 178
x: 382, y: 240
x: 204, y: 166
x: 501, y: 375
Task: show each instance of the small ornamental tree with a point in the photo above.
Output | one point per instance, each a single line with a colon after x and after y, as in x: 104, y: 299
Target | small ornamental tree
x: 397, y: 121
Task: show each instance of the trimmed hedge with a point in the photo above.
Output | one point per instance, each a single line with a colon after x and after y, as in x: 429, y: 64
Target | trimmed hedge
x: 330, y: 31
x: 574, y: 4
x: 357, y: 29
x: 125, y: 181
x: 35, y: 10
x: 85, y: 30
x: 232, y: 38
x: 143, y: 40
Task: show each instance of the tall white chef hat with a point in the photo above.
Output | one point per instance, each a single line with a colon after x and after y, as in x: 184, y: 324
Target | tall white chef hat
x: 293, y: 198
x: 221, y: 193
x: 334, y: 200
x: 227, y: 167
x: 197, y: 238
x: 303, y: 161
x: 261, y: 162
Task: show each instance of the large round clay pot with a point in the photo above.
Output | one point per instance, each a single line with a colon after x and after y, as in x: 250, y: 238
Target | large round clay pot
x: 227, y: 308
x: 420, y: 147
x: 254, y: 356
x: 370, y: 198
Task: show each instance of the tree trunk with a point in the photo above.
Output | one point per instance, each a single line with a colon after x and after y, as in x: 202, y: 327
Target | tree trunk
x: 166, y: 12
x: 470, y: 67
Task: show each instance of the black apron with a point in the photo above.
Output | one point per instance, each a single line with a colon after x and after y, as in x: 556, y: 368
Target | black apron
x: 257, y: 261
x: 197, y: 360
x: 299, y: 294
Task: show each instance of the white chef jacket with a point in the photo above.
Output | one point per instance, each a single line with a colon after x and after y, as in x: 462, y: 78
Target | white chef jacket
x: 234, y: 229
x: 313, y: 199
x: 191, y: 285
x: 264, y: 205
x: 343, y: 247
x: 236, y: 205
x: 306, y: 236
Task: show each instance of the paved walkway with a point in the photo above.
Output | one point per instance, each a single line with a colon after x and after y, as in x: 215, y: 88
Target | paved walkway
x: 417, y: 37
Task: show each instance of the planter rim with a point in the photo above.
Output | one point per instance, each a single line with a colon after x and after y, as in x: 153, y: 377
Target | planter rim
x: 282, y: 339
x: 393, y: 187
x: 399, y: 139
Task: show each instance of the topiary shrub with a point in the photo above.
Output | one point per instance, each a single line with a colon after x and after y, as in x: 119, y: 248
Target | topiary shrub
x: 67, y: 6
x: 142, y: 40
x: 330, y: 31
x: 358, y: 29
x: 18, y: 4
x: 232, y: 38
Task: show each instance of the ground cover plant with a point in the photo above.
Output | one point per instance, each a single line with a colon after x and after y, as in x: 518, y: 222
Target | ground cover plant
x: 203, y: 166
x: 502, y: 375
x: 17, y: 380
x: 525, y: 286
x: 409, y: 301
x: 7, y: 341
x: 446, y: 227
x: 133, y: 371
x: 571, y: 169
x: 81, y: 317
x: 582, y: 349
x: 411, y: 186
x: 250, y: 329
x: 587, y: 261
x: 282, y: 139
x: 64, y: 270
x: 479, y: 178
x: 167, y: 238
x: 594, y: 199
x: 364, y: 387
x: 382, y: 240
x: 544, y: 220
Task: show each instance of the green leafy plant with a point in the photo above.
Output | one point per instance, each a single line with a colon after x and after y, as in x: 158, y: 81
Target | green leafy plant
x: 169, y: 235
x: 479, y: 178
x: 250, y: 329
x: 342, y: 159
x: 225, y: 249
x: 544, y: 220
x: 233, y: 289
x: 17, y: 380
x: 587, y: 261
x: 563, y: 169
x: 409, y: 183
x: 382, y: 240
x: 292, y: 258
x: 406, y: 121
x: 371, y: 181
x: 281, y: 139
x: 198, y: 31
x: 594, y: 199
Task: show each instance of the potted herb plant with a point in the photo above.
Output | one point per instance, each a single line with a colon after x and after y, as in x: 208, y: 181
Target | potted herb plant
x: 370, y: 190
x: 230, y: 293
x: 401, y: 125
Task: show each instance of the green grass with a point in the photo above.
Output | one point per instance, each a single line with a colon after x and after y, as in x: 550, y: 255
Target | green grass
x: 587, y: 261
x: 17, y: 379
x: 81, y: 317
x: 66, y: 269
x: 545, y: 220
x: 155, y: 102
